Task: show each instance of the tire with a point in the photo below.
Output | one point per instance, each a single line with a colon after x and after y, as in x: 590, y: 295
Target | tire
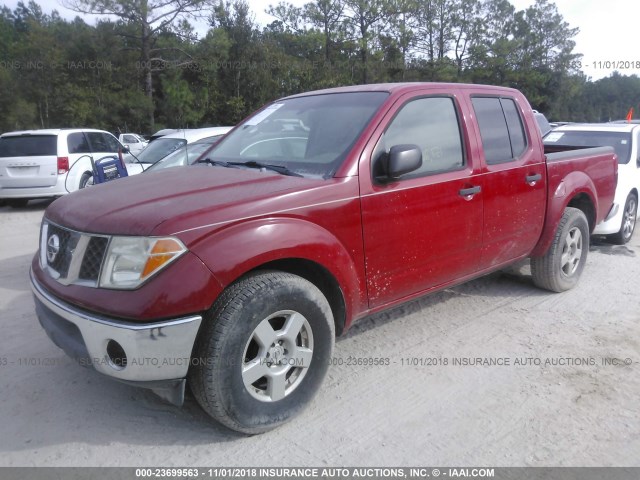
x: 560, y: 268
x: 86, y: 180
x: 17, y: 202
x: 628, y: 221
x: 251, y: 330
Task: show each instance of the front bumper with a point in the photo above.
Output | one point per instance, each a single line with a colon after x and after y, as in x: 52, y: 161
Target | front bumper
x: 148, y: 354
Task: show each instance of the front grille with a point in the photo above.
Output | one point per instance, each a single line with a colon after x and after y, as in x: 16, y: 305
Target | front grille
x: 72, y: 257
x: 92, y: 261
x: 66, y: 245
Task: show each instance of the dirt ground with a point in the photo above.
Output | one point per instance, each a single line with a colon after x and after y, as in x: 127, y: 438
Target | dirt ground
x: 554, y: 399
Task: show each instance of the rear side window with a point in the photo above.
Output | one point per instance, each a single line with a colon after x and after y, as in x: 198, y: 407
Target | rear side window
x: 501, y: 129
x: 29, y: 146
x: 77, y: 143
x: 129, y: 139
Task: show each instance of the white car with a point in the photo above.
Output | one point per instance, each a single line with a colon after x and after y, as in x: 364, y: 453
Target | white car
x: 50, y: 163
x: 623, y: 137
x: 133, y: 142
x: 163, y: 146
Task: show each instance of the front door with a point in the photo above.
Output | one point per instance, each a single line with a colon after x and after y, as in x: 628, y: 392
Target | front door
x: 426, y: 228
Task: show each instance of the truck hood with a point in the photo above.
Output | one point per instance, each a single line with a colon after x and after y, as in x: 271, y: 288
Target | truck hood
x: 172, y: 200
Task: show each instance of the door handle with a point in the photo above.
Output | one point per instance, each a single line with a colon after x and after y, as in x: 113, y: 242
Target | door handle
x: 533, y: 178
x: 466, y: 192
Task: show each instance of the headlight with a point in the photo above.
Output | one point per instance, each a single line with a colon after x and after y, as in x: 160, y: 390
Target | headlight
x: 132, y: 260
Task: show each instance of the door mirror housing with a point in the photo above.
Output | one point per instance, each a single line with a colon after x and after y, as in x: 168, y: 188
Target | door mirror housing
x: 403, y: 159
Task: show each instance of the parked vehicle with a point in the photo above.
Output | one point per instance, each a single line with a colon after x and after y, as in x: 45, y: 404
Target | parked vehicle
x: 186, y: 155
x: 318, y: 210
x: 133, y: 142
x: 623, y: 137
x: 162, y: 133
x: 167, y: 144
x: 543, y: 124
x: 49, y: 163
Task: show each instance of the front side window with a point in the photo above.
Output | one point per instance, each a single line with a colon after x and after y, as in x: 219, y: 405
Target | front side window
x: 102, y: 142
x: 430, y: 123
x: 501, y: 129
x: 309, y: 135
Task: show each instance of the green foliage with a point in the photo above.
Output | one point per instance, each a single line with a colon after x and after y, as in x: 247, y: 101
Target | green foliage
x: 148, y: 66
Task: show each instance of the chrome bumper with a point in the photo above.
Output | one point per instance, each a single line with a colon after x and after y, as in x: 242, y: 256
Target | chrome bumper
x: 127, y: 351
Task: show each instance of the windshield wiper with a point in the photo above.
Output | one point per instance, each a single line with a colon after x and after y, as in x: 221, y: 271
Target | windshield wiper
x: 281, y: 169
x: 217, y: 163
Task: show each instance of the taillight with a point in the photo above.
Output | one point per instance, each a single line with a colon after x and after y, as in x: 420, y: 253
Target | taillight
x: 63, y: 165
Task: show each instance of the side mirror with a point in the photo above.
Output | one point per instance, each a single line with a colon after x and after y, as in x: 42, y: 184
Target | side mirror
x: 126, y: 149
x: 402, y: 160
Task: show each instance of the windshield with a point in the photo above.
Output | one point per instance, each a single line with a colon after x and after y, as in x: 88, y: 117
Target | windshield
x: 309, y: 135
x: 28, y: 145
x: 159, y: 149
x: 620, y: 141
x: 185, y: 155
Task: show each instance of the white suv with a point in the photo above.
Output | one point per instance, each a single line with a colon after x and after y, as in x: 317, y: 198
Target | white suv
x: 50, y: 163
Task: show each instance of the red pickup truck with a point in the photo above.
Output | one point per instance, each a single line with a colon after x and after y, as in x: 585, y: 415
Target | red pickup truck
x: 237, y: 273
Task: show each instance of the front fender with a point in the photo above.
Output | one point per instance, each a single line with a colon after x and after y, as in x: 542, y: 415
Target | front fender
x: 238, y: 249
x: 558, y: 198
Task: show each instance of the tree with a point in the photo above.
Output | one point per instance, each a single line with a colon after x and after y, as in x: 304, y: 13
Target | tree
x: 149, y: 18
x: 364, y: 18
x: 325, y: 15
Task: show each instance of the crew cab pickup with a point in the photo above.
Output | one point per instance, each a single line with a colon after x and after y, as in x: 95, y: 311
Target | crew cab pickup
x: 236, y: 274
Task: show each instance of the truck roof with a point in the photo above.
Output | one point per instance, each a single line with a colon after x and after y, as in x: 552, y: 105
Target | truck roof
x: 405, y: 87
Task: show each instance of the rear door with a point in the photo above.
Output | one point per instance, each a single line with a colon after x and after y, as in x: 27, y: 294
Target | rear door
x: 514, y: 185
x: 28, y: 160
x: 426, y: 228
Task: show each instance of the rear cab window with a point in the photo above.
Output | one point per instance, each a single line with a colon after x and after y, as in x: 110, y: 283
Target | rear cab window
x: 28, y: 146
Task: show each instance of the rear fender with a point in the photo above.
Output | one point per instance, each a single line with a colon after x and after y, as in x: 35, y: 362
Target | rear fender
x: 575, y: 186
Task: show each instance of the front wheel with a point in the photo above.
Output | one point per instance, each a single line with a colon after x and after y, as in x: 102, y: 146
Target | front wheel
x: 560, y: 268
x: 263, y: 352
x: 628, y: 221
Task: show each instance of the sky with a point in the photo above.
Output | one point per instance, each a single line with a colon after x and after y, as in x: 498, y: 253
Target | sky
x: 607, y: 36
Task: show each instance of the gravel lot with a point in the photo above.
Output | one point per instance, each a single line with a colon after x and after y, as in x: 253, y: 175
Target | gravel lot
x: 570, y: 410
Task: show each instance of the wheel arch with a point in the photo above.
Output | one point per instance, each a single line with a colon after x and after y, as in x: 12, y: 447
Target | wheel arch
x: 294, y: 246
x: 582, y: 201
x: 320, y: 277
x: 577, y: 191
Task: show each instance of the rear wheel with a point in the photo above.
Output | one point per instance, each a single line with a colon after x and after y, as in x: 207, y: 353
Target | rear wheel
x: 263, y: 351
x: 628, y: 221
x: 560, y: 268
x: 86, y: 180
